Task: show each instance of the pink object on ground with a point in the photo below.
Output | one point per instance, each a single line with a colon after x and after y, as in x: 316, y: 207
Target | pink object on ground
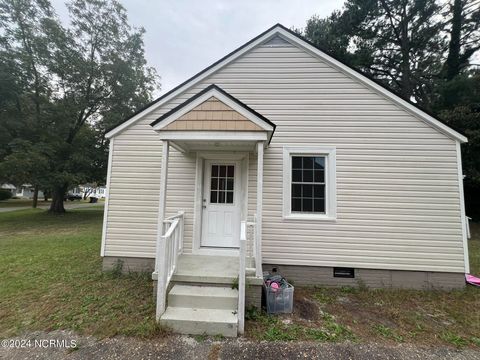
x: 472, y: 280
x: 274, y: 286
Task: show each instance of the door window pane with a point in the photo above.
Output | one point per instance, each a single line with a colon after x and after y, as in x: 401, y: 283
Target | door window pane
x: 213, y: 197
x: 221, y: 197
x: 214, y: 184
x: 222, y: 184
x: 223, y: 170
x: 214, y: 170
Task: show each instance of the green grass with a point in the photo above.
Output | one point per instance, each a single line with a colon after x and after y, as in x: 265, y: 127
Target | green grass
x: 52, y: 279
x: 12, y: 203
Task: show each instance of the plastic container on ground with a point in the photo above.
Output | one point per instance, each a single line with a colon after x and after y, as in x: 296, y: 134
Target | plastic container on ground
x: 279, y: 300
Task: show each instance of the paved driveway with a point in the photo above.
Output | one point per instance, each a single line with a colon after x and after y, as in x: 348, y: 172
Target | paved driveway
x: 184, y: 347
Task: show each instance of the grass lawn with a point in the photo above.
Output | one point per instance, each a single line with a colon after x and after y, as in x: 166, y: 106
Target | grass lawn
x: 51, y: 279
x: 11, y: 203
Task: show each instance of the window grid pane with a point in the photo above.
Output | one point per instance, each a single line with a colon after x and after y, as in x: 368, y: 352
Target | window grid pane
x: 308, y: 184
x: 222, y: 184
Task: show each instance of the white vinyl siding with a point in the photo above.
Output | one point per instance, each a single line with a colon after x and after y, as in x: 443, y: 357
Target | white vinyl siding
x: 398, y: 201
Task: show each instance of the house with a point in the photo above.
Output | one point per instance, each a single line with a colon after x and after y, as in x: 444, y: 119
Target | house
x: 10, y: 187
x: 280, y: 157
x: 24, y: 191
x: 89, y: 190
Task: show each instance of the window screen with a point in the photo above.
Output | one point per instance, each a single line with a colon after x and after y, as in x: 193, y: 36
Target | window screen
x: 308, y: 184
x: 221, y: 184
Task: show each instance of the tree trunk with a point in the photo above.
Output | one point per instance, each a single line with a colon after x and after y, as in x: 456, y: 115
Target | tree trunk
x: 58, y: 194
x: 406, y: 77
x: 453, y: 60
x: 86, y: 194
x: 35, y: 197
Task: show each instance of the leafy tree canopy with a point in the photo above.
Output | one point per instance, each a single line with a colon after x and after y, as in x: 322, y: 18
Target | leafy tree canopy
x: 62, y: 87
x: 422, y: 49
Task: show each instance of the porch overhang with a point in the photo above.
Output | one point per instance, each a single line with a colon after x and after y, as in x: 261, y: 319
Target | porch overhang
x: 214, y: 120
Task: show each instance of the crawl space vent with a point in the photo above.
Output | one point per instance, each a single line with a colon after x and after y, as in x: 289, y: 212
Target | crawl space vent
x: 343, y: 272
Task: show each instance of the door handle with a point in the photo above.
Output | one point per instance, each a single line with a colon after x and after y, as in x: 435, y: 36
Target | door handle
x: 204, y: 206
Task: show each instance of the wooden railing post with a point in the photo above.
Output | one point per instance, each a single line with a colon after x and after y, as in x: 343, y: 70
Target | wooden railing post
x: 168, y: 250
x: 241, y: 279
x: 161, y: 277
x: 258, y: 220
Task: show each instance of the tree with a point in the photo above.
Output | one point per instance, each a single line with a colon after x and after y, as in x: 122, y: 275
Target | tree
x: 463, y: 27
x: 78, y: 81
x: 26, y: 164
x: 23, y: 90
x: 332, y: 34
x: 421, y: 49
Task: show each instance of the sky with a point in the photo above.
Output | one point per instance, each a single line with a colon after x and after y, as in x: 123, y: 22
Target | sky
x: 185, y: 36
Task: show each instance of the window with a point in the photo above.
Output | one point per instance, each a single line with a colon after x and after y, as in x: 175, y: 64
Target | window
x: 221, y: 184
x: 309, y: 183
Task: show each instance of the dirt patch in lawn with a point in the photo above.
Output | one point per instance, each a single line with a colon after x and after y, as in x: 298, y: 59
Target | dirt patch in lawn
x: 305, y: 308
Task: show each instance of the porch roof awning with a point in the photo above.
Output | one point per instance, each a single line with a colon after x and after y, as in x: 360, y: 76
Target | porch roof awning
x: 214, y: 119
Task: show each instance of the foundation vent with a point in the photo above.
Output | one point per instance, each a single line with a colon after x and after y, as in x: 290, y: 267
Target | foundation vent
x: 341, y: 272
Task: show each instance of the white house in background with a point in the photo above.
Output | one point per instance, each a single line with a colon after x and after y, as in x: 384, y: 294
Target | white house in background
x: 24, y: 191
x: 90, y: 191
x: 10, y: 187
x: 279, y: 156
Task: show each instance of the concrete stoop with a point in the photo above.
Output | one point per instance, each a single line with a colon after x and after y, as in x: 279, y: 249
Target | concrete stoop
x: 202, y: 309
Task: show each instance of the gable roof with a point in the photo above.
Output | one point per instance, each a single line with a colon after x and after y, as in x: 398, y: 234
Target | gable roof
x: 220, y: 94
x: 292, y: 37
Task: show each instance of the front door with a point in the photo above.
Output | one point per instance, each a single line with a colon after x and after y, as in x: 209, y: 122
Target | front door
x: 221, y: 204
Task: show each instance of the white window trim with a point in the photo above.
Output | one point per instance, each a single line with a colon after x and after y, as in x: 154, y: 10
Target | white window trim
x: 330, y: 186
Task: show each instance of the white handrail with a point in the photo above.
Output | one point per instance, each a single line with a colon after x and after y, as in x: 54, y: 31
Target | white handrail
x: 176, y: 216
x: 169, y: 249
x: 241, y: 278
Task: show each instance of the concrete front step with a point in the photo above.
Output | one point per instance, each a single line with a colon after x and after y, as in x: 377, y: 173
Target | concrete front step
x: 203, y: 297
x: 203, y: 279
x: 201, y: 321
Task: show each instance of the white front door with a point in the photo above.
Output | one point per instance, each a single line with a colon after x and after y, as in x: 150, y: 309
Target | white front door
x: 221, y: 204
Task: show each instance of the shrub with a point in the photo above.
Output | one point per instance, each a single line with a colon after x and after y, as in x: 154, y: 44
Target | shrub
x: 5, y: 194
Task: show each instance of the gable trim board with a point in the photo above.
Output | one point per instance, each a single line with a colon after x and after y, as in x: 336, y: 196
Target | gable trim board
x: 280, y: 30
x: 107, y: 197
x: 462, y: 208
